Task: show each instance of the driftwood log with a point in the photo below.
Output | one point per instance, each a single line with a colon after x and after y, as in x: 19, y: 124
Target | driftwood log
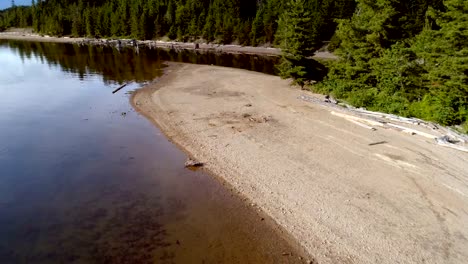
x: 190, y: 163
x: 118, y: 89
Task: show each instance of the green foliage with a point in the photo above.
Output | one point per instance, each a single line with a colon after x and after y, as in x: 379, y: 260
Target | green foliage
x: 464, y: 127
x: 391, y: 61
x: 16, y: 16
x: 334, y: 43
x: 223, y: 21
x: 443, y: 53
x: 298, y: 41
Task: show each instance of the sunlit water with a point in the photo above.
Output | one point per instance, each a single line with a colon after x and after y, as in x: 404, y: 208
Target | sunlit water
x: 86, y: 179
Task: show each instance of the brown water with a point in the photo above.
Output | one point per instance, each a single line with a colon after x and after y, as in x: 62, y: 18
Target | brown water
x: 86, y: 179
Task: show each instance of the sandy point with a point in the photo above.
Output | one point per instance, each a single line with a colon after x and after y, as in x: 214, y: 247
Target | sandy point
x: 342, y: 197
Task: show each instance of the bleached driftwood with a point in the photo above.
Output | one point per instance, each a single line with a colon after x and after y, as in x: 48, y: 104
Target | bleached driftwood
x: 413, y: 121
x: 362, y: 125
x: 412, y: 131
x: 358, y: 119
x: 444, y: 142
x: 454, y: 134
x: 444, y: 136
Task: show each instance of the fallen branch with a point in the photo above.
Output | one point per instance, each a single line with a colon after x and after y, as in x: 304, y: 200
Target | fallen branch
x: 118, y: 89
x: 378, y: 143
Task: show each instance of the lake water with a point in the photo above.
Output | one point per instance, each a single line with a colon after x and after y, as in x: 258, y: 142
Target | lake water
x: 86, y: 179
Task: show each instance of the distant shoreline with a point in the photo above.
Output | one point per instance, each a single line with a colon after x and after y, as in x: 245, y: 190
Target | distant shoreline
x: 233, y: 49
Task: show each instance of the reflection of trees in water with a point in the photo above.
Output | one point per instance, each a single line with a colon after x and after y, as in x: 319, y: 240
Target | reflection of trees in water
x: 264, y: 64
x: 126, y: 65
x: 113, y: 65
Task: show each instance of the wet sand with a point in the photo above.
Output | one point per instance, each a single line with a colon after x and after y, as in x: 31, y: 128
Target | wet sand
x: 319, y: 177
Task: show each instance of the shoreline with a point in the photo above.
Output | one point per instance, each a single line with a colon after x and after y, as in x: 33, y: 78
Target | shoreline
x: 319, y: 178
x: 203, y: 47
x: 297, y: 247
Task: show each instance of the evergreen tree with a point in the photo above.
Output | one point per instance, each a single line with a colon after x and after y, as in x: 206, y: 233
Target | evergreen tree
x: 115, y: 29
x: 257, y: 27
x: 365, y: 39
x: 270, y: 19
x: 77, y: 22
x: 297, y: 41
x: 391, y: 62
x: 208, y: 29
x: 89, y: 21
x: 443, y: 53
x: 135, y: 16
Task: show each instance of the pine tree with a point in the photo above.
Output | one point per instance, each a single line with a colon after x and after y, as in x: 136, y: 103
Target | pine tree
x: 373, y: 29
x: 209, y: 27
x: 257, y: 27
x: 135, y: 16
x: 297, y: 41
x: 443, y: 52
x: 77, y: 22
x: 115, y: 24
x: 89, y: 21
x: 169, y: 19
x: 35, y: 16
x: 384, y: 67
x: 364, y: 37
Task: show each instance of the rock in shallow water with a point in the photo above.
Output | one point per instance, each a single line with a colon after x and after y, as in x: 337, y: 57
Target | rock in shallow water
x: 193, y: 163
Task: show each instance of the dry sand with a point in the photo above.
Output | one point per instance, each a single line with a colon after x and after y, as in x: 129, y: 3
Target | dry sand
x: 314, y: 173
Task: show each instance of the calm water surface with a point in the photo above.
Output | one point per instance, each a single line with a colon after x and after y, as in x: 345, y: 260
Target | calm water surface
x: 85, y: 179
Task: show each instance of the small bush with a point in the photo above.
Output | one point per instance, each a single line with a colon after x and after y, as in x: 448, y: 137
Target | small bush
x: 464, y: 127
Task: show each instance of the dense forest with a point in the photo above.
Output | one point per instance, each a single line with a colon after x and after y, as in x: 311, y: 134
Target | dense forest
x: 402, y: 59
x: 407, y: 57
x: 245, y: 22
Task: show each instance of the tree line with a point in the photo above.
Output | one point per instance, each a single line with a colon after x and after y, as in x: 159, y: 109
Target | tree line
x: 245, y: 22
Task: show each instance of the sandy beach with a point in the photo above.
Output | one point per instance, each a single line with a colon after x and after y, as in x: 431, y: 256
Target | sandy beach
x: 323, y: 179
